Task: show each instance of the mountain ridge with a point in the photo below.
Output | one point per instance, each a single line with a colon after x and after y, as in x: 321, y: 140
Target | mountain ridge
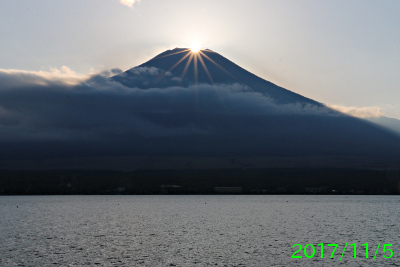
x: 231, y: 74
x: 171, y: 110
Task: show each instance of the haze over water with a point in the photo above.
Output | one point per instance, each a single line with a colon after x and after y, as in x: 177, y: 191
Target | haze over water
x: 194, y: 230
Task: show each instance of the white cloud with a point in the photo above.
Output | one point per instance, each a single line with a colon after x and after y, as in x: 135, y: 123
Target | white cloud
x: 147, y: 70
x: 128, y: 2
x: 64, y: 75
x: 360, y: 112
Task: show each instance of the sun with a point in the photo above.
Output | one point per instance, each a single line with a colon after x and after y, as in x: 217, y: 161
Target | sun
x: 195, y: 47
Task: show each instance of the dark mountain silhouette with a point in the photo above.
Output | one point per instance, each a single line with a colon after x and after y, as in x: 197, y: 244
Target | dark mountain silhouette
x: 184, y: 110
x: 324, y: 132
x: 220, y: 71
x: 388, y: 123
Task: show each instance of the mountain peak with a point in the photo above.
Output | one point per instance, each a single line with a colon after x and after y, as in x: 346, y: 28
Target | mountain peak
x: 183, y: 67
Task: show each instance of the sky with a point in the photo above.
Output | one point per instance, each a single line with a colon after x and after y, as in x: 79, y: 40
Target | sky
x: 342, y: 53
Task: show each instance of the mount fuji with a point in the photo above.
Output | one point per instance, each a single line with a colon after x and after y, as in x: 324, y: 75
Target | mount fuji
x: 288, y: 125
x: 184, y: 109
x: 182, y: 67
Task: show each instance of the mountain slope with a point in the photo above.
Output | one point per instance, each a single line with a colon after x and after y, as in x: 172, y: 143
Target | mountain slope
x: 171, y: 108
x: 388, y: 123
x: 220, y: 71
x: 302, y: 127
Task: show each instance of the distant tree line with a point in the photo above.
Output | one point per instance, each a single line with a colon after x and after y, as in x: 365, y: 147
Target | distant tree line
x: 252, y: 181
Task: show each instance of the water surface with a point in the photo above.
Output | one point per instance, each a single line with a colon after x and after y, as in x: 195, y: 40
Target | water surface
x: 194, y: 230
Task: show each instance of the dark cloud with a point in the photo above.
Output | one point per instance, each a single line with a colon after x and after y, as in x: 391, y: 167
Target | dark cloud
x: 99, y: 106
x: 99, y: 115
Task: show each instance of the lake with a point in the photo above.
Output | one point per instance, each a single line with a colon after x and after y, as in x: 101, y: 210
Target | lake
x: 208, y: 230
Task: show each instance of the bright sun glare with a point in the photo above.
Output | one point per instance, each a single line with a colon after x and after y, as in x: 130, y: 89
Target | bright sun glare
x: 195, y: 47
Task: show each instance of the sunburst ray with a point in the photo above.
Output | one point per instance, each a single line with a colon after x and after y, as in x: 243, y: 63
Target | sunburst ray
x: 216, y: 64
x: 196, y: 74
x: 183, y: 51
x: 159, y: 77
x: 187, y: 66
x: 206, y: 69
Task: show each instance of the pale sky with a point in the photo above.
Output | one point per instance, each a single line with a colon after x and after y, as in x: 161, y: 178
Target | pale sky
x: 342, y: 53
